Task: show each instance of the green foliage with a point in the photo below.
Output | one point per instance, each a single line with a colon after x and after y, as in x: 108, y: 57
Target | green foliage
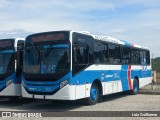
x: 156, y: 63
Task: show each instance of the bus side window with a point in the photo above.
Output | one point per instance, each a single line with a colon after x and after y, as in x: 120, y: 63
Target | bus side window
x: 148, y: 57
x: 98, y: 53
x: 126, y: 55
x: 142, y: 57
x: 80, y: 57
x: 114, y: 54
x: 106, y: 53
x: 101, y: 53
x: 145, y: 57
x: 135, y: 56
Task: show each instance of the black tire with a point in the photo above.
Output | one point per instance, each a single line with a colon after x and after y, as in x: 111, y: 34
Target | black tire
x: 94, y: 95
x: 135, y: 89
x: 14, y: 98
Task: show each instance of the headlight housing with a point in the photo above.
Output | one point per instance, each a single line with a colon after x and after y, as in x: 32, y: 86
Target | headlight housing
x: 63, y: 83
x: 8, y: 82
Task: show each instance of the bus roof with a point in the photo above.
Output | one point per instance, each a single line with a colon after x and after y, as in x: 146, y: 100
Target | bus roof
x: 112, y: 40
x: 102, y: 38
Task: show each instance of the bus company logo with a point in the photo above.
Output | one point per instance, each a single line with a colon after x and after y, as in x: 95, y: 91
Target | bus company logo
x: 32, y: 89
x: 109, y: 76
x: 6, y: 114
x: 116, y: 75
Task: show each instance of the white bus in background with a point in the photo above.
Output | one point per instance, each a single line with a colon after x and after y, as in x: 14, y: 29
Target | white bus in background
x: 11, y: 63
x: 69, y: 65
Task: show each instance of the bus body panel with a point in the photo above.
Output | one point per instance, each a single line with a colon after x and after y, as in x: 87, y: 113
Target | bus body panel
x: 145, y: 81
x: 12, y: 90
x: 66, y: 93
x: 113, y: 78
x: 11, y: 85
x: 79, y: 86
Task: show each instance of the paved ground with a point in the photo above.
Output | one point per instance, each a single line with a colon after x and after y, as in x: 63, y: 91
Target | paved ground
x: 115, y: 102
x: 150, y: 89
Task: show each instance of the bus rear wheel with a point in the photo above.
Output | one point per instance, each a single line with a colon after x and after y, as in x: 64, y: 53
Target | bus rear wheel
x: 134, y: 91
x: 94, y: 95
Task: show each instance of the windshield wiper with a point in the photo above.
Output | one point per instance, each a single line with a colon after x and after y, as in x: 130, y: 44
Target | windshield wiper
x: 35, y: 49
x: 48, y: 50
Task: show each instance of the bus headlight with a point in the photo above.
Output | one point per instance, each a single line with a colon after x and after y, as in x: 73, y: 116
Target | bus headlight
x: 63, y: 83
x: 8, y: 82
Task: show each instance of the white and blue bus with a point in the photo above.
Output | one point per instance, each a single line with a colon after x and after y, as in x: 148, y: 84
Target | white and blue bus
x: 11, y: 63
x: 69, y: 65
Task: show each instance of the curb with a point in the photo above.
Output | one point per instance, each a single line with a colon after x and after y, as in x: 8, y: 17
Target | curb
x: 150, y: 92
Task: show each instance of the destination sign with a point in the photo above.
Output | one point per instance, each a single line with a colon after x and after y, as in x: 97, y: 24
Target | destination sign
x: 48, y: 37
x: 6, y: 43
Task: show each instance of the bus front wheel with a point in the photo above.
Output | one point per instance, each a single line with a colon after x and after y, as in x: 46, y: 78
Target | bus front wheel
x: 94, y: 95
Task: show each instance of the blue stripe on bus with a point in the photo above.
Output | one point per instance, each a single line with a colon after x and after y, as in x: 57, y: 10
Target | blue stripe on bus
x: 8, y: 78
x: 66, y: 77
x: 126, y: 43
x: 88, y: 77
x: 2, y: 86
x: 124, y: 78
x: 109, y: 75
x: 36, y: 86
x: 7, y: 51
x: 3, y: 82
x: 56, y: 46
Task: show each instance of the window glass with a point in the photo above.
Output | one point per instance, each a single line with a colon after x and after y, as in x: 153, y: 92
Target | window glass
x: 101, y: 52
x: 145, y: 57
x: 105, y: 53
x: 114, y: 54
x: 81, y: 55
x: 46, y: 60
x: 148, y: 57
x: 142, y: 58
x: 135, y: 56
x: 126, y: 55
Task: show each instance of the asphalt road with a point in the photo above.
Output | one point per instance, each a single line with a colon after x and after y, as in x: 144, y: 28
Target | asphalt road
x: 115, y: 102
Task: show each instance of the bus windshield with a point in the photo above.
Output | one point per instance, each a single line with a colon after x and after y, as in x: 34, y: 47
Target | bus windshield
x: 6, y: 63
x: 46, y: 59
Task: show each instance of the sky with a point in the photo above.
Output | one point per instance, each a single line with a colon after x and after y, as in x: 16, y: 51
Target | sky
x: 135, y: 21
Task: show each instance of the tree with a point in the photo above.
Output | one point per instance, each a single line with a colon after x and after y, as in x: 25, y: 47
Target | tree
x: 156, y: 63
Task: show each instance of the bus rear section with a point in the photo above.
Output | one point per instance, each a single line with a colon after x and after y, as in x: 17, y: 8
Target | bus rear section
x: 67, y: 65
x: 11, y: 62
